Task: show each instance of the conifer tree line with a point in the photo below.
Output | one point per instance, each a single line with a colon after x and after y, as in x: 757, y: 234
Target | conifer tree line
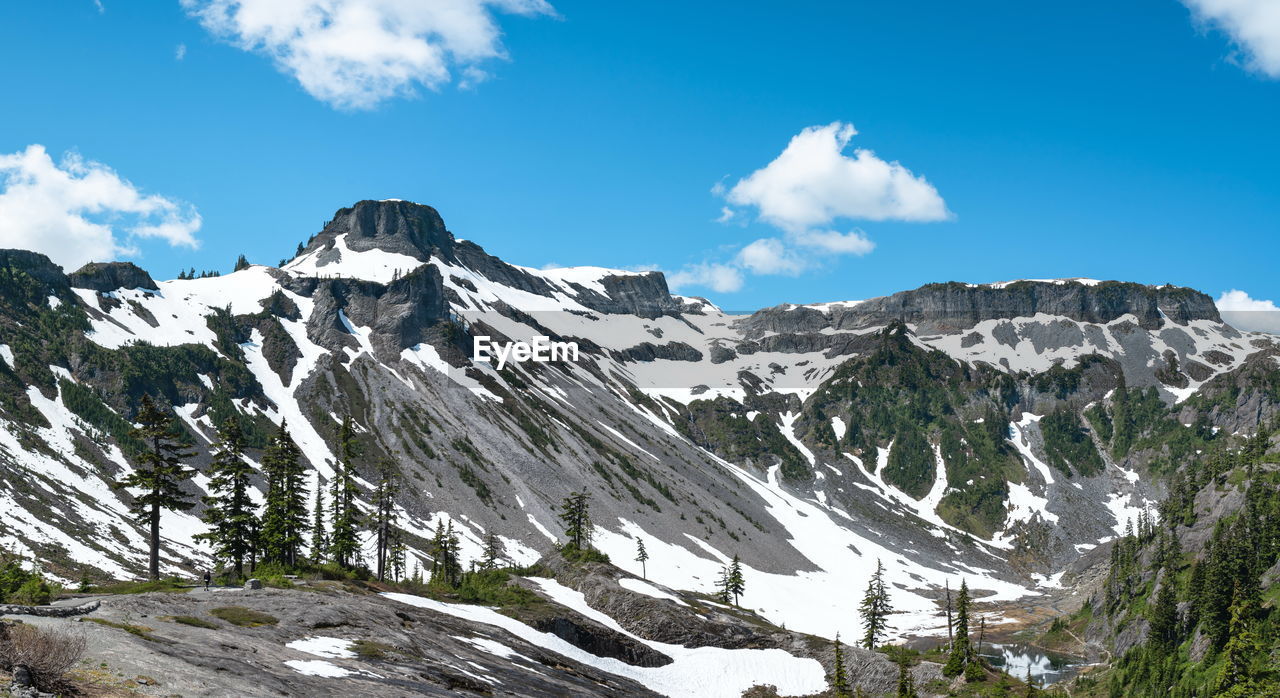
x: 1210, y: 629
x: 243, y: 534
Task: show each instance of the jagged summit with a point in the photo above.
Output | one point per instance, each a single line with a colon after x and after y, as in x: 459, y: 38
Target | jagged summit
x: 384, y: 240
x: 394, y: 226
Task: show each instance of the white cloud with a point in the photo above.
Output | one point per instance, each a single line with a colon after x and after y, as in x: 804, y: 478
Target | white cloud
x: 852, y: 242
x: 1246, y: 313
x: 770, y: 256
x: 722, y: 278
x: 180, y: 52
x: 1254, y: 26
x: 813, y: 183
x: 355, y: 54
x: 82, y: 211
x: 98, y: 4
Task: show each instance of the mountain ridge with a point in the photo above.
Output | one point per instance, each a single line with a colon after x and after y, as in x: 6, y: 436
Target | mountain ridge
x: 810, y: 441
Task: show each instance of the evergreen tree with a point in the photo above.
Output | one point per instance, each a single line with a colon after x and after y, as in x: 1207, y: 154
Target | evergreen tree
x: 492, y: 552
x: 241, y: 263
x: 1163, y: 635
x: 319, y: 538
x: 230, y: 514
x: 344, y: 541
x: 446, y: 566
x: 1241, y: 648
x: 284, y: 519
x: 399, y: 553
x: 906, y: 682
x: 961, y: 652
x: 839, y: 680
x: 642, y: 556
x: 950, y: 637
x: 385, y: 513
x: 722, y: 586
x: 875, y: 609
x: 735, y: 583
x: 575, y: 512
x: 159, y: 473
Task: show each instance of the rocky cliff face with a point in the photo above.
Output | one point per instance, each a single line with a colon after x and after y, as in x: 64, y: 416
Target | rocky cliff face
x: 951, y: 307
x: 109, y: 276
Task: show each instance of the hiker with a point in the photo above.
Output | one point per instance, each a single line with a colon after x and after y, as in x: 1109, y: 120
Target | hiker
x: 207, y: 578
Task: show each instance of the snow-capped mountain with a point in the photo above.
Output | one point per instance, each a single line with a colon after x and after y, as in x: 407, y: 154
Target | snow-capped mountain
x: 956, y: 430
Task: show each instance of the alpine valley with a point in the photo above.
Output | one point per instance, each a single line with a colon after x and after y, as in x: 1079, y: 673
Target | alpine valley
x: 1085, y: 457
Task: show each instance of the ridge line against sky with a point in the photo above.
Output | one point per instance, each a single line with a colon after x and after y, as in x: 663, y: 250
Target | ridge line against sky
x: 800, y: 206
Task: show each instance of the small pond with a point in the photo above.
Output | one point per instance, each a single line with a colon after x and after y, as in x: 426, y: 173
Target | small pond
x: 1015, y: 658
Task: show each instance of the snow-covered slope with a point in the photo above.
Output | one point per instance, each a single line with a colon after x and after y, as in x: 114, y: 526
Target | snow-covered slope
x: 375, y: 319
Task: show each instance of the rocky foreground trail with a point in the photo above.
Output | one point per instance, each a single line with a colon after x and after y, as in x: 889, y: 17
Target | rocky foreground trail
x: 589, y: 630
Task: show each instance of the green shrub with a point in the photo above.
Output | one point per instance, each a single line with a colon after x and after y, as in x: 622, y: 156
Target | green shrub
x: 33, y: 592
x: 141, y: 631
x: 22, y: 586
x: 171, y: 584
x: 573, y: 553
x: 194, y: 622
x: 492, y: 588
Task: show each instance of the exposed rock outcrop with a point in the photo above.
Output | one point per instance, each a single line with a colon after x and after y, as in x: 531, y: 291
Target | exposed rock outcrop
x: 953, y: 307
x: 110, y: 276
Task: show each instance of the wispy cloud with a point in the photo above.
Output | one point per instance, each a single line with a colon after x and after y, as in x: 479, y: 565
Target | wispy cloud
x: 1253, y: 25
x: 80, y: 211
x: 721, y: 278
x: 180, y: 52
x: 355, y: 54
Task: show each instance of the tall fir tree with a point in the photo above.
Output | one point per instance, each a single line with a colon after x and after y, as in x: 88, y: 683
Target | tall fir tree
x: 446, y: 565
x: 950, y: 637
x: 961, y: 652
x: 839, y: 677
x: 722, y: 586
x: 735, y: 582
x: 1163, y: 633
x: 284, y: 519
x: 384, y: 508
x: 492, y: 557
x: 1241, y: 649
x: 398, y: 556
x: 159, y: 473
x: 875, y: 609
x: 230, y: 514
x: 319, y: 536
x: 642, y: 556
x: 575, y: 513
x: 344, y: 538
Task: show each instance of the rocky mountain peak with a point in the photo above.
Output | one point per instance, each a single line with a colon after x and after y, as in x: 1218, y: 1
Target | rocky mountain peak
x: 34, y: 264
x: 110, y: 276
x: 390, y: 225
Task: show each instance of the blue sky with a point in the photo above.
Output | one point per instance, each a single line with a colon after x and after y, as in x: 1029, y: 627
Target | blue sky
x: 1130, y: 140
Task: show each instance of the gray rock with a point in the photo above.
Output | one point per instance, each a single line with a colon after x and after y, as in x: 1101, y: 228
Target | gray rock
x: 112, y: 276
x: 253, y: 584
